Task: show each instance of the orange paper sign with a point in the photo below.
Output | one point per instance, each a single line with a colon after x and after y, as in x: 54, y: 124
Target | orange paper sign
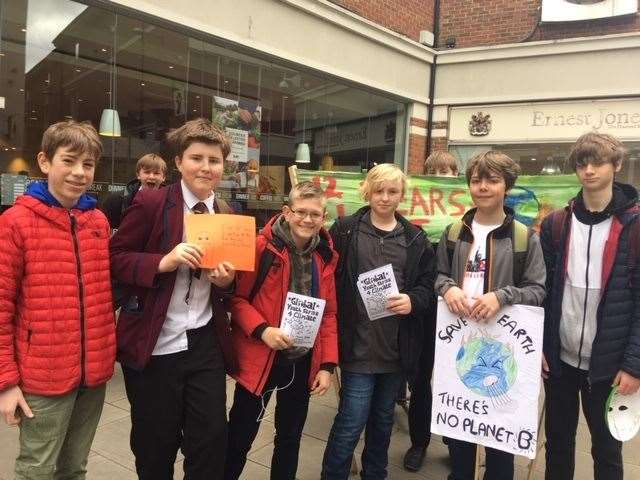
x: 230, y: 238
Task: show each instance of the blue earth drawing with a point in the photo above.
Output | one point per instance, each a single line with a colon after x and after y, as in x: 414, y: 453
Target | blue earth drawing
x: 487, y: 367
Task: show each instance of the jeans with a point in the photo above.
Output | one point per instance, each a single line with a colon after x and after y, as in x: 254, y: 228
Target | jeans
x: 561, y: 423
x: 55, y: 443
x: 291, y: 413
x: 366, y: 400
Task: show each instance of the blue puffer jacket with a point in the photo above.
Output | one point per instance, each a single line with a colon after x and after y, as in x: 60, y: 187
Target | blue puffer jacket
x: 617, y: 342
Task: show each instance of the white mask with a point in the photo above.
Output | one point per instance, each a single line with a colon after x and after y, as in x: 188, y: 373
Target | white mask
x: 623, y: 415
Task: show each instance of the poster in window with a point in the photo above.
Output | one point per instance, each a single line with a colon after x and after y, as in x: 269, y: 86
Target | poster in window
x: 240, y: 119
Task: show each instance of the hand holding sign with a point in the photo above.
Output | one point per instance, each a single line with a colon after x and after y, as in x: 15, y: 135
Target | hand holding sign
x: 222, y: 276
x: 223, y: 238
x: 301, y: 318
x: 379, y: 291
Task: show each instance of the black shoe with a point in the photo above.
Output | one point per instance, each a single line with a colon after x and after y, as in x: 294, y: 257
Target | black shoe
x: 413, y: 458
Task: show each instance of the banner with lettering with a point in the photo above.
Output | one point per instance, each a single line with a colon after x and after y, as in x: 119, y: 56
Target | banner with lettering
x: 486, y: 378
x: 435, y: 202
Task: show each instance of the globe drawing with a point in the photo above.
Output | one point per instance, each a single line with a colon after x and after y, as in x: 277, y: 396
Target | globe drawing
x: 487, y: 367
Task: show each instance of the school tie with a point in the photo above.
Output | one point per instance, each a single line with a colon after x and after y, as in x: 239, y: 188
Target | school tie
x: 198, y: 209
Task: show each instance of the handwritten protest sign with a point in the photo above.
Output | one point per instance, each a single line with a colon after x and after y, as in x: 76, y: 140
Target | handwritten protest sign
x: 223, y: 237
x: 374, y: 287
x: 486, y: 378
x: 301, y: 318
x: 434, y: 202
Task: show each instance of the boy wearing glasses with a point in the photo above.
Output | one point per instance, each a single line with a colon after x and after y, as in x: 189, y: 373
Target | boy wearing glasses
x: 592, y: 314
x: 303, y: 262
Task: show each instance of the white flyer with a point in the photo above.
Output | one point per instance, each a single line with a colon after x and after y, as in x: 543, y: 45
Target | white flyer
x: 301, y: 318
x: 374, y: 287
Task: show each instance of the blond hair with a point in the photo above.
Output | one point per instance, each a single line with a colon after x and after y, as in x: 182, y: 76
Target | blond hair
x: 151, y: 161
x: 306, y: 190
x: 439, y: 161
x: 493, y: 162
x: 198, y: 130
x: 79, y: 137
x: 385, y: 172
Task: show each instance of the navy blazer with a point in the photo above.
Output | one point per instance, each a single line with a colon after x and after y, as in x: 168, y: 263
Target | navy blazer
x: 150, y: 229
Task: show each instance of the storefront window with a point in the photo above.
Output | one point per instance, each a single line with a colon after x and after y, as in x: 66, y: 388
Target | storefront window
x: 549, y: 158
x: 86, y: 59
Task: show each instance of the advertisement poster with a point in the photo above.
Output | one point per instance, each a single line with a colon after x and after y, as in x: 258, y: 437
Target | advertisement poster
x: 486, y: 378
x: 241, y: 121
x: 435, y: 202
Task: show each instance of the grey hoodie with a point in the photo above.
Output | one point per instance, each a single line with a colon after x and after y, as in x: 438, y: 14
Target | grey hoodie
x: 531, y: 288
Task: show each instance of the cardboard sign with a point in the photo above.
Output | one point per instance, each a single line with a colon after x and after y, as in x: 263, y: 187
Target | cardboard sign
x: 374, y: 287
x: 230, y: 238
x: 301, y: 318
x: 486, y: 378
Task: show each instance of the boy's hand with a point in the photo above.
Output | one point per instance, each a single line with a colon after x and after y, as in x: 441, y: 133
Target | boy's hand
x: 10, y: 401
x: 276, y: 339
x: 187, y: 254
x: 222, y: 276
x: 399, y: 304
x: 627, y: 384
x: 545, y: 367
x: 456, y: 301
x: 485, y: 307
x: 321, y: 383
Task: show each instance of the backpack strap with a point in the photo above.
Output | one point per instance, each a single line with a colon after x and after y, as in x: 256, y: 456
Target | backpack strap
x: 520, y: 240
x: 558, y: 219
x: 452, y: 237
x: 266, y: 260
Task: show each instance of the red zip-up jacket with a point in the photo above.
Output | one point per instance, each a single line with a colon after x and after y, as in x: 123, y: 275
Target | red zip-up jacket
x: 255, y: 358
x: 57, y: 326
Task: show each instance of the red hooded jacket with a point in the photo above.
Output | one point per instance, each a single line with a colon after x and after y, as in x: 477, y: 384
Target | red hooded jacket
x: 255, y: 358
x: 57, y: 326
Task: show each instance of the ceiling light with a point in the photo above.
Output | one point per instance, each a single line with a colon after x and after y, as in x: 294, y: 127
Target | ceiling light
x: 103, y: 49
x: 142, y: 84
x: 78, y: 70
x: 24, y: 30
x: 170, y: 67
x: 22, y: 90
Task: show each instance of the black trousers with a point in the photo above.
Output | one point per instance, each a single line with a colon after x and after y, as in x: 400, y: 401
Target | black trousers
x: 179, y: 401
x: 499, y: 464
x: 290, y: 415
x: 420, y: 400
x: 561, y: 423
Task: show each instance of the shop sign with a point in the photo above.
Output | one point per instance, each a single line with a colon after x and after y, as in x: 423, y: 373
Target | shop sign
x: 434, y: 202
x: 544, y: 122
x: 354, y: 136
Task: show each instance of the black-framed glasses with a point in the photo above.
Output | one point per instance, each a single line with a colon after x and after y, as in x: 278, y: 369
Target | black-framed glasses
x: 301, y: 214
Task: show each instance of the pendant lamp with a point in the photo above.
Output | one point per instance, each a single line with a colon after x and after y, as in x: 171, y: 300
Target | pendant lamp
x: 110, y: 120
x: 303, y: 154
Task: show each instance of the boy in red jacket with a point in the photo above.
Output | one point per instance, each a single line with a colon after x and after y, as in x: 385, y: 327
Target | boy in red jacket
x: 57, y: 328
x: 269, y: 360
